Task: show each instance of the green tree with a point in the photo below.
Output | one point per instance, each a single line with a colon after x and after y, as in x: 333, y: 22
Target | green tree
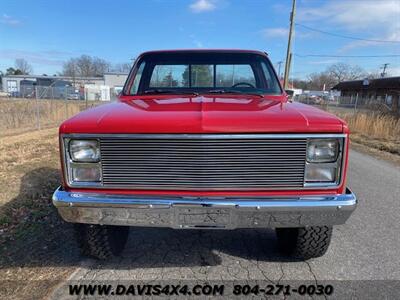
x: 169, y: 81
x: 202, y: 75
x: 12, y: 71
x: 185, y: 77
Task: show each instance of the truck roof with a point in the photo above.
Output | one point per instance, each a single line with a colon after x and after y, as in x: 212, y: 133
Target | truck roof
x: 205, y: 51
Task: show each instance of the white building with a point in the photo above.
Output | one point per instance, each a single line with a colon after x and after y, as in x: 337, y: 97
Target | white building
x: 116, y: 81
x: 107, y: 86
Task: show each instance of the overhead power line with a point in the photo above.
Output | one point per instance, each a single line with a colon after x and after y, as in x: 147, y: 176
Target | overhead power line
x: 351, y: 56
x: 345, y: 36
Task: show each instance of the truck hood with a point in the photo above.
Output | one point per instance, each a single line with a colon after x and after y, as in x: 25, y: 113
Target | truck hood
x: 202, y: 114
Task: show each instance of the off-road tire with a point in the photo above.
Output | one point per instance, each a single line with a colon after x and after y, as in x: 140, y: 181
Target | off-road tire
x: 101, y: 242
x: 304, y: 243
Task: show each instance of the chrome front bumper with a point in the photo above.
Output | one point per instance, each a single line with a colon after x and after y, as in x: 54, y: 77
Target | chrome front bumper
x: 204, y: 212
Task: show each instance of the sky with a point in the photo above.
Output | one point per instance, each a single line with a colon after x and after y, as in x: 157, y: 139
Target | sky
x: 47, y: 33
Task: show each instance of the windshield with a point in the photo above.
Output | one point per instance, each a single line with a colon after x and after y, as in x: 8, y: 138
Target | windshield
x: 201, y: 73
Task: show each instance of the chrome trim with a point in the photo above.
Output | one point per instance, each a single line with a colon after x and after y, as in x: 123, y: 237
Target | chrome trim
x: 202, y: 136
x: 306, y: 186
x: 207, y: 212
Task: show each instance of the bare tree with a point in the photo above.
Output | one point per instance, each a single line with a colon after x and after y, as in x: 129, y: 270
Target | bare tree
x: 319, y: 81
x: 100, y: 66
x: 333, y: 75
x: 70, y: 68
x: 124, y: 67
x: 376, y: 75
x: 85, y: 66
x: 315, y: 81
x: 341, y: 72
x: 301, y: 84
x: 22, y: 65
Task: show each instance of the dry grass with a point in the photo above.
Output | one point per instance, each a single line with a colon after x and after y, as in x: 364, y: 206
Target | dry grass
x: 376, y: 130
x: 23, y: 115
x: 374, y: 125
x: 21, y: 154
x: 37, y: 248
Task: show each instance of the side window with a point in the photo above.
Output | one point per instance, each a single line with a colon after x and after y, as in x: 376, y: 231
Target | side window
x: 270, y: 81
x: 229, y: 75
x: 136, y: 81
x: 169, y: 76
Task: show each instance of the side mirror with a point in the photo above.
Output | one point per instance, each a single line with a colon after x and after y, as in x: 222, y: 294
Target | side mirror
x: 290, y: 93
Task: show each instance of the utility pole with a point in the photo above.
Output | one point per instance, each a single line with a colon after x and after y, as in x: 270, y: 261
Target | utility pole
x: 383, y: 74
x: 289, y: 52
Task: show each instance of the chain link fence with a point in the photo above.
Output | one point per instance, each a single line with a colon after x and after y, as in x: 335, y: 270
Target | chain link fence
x: 40, y: 107
x: 373, y: 121
x: 382, y: 104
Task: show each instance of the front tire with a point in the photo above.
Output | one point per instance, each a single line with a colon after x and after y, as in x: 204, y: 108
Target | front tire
x: 304, y: 243
x: 101, y: 241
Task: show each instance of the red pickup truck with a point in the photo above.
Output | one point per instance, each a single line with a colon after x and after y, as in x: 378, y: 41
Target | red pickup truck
x: 204, y: 139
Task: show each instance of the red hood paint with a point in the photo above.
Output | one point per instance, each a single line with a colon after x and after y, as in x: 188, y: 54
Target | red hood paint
x: 203, y: 114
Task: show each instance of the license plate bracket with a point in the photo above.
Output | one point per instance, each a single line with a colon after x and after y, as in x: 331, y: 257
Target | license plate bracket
x: 203, y: 218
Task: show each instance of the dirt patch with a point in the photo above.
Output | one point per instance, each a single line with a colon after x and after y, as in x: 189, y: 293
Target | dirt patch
x: 386, y: 145
x: 37, y: 249
x: 384, y: 155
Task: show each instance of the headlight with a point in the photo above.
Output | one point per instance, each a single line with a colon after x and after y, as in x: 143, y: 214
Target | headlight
x: 320, y: 173
x: 323, y: 161
x: 82, y: 162
x: 322, y: 150
x: 86, y: 173
x: 84, y: 150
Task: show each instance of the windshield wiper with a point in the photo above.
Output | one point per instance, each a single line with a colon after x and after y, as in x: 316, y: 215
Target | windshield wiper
x: 161, y: 91
x: 228, y: 91
x: 157, y: 91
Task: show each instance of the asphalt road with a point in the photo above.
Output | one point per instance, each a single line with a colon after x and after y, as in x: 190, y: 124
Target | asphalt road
x: 365, y: 248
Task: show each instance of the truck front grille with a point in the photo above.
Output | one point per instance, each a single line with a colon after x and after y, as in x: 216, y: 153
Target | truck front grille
x: 203, y: 162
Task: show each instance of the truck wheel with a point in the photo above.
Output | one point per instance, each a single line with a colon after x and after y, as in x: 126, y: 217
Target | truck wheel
x: 306, y: 242
x: 99, y: 241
